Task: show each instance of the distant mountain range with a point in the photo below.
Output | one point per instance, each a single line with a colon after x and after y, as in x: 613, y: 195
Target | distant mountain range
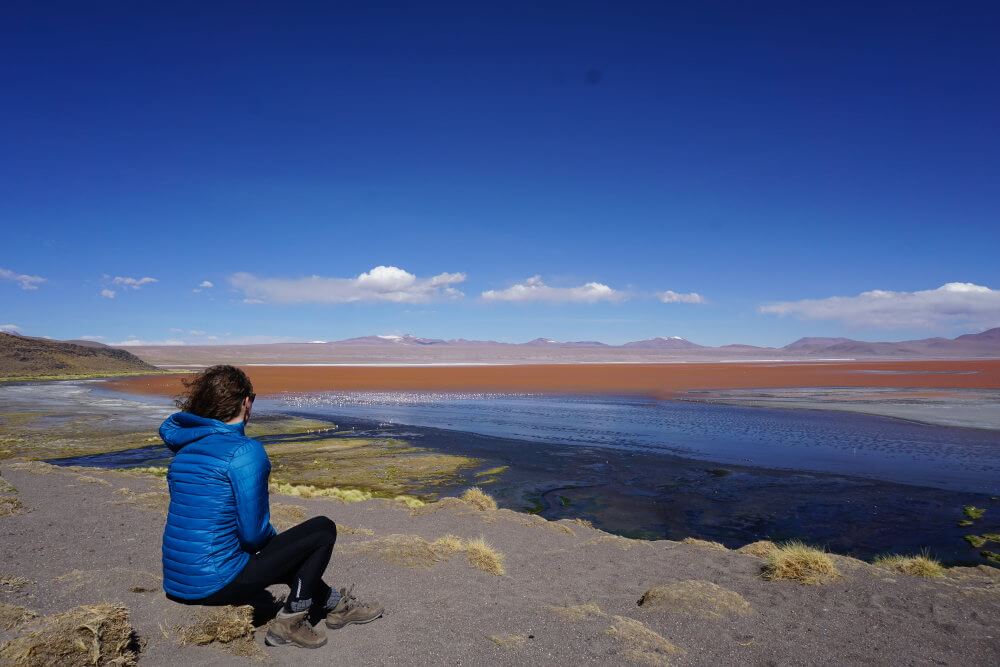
x: 986, y: 343
x: 662, y: 343
x: 406, y: 349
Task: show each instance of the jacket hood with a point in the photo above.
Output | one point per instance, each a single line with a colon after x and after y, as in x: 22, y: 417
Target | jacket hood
x: 182, y: 428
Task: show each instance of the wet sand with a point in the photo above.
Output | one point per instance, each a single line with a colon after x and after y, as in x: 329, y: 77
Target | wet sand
x: 660, y: 380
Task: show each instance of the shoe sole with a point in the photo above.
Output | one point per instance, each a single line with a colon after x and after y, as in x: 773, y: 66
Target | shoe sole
x: 275, y: 640
x: 344, y: 625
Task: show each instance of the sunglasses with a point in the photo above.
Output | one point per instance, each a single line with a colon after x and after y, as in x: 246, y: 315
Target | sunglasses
x: 252, y: 397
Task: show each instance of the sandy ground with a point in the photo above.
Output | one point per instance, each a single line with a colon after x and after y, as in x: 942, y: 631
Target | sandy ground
x: 83, y: 540
x: 650, y: 379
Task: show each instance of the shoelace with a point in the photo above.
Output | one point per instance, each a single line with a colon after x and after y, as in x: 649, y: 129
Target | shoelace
x: 347, y: 596
x: 304, y: 622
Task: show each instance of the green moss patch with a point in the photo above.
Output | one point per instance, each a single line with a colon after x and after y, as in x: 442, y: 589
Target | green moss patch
x: 385, y: 467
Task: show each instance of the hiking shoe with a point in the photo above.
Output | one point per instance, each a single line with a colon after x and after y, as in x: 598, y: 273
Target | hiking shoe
x: 293, y: 629
x: 351, y: 610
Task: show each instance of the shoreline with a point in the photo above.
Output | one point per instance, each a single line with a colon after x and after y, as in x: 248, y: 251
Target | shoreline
x: 981, y: 412
x: 667, y: 495
x: 14, y: 379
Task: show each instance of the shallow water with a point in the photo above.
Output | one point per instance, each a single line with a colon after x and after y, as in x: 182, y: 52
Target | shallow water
x: 857, y: 484
x: 64, y: 401
x: 881, y: 448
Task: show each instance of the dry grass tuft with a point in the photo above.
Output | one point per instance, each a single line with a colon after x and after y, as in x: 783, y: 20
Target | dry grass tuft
x: 456, y: 504
x: 916, y: 566
x: 577, y: 612
x: 704, y: 544
x: 407, y: 550
x: 344, y: 529
x: 89, y: 479
x: 337, y: 493
x: 220, y: 625
x: 285, y: 516
x: 88, y: 635
x: 14, y: 583
x: 411, y: 551
x: 448, y: 545
x: 10, y: 505
x: 410, y: 501
x: 36, y: 467
x: 154, y: 471
x: 154, y: 501
x: 479, y: 499
x: 693, y: 597
x: 415, y: 551
x: 12, y: 616
x: 586, y: 523
x: 642, y: 645
x: 509, y: 641
x: 760, y: 549
x: 7, y: 487
x: 484, y: 557
x: 310, y: 491
x: 795, y: 561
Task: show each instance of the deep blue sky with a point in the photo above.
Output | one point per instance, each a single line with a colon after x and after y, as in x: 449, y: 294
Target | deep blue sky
x: 751, y: 153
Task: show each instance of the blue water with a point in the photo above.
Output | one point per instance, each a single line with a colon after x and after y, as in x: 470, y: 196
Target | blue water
x: 856, y: 484
x: 958, y: 459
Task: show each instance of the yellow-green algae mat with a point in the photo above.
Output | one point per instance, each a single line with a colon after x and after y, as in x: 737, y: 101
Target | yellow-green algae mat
x: 386, y: 466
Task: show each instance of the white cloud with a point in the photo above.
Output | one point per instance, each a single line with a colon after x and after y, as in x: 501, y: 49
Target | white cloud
x: 534, y: 289
x: 126, y: 282
x: 23, y: 280
x: 10, y: 328
x: 91, y: 337
x: 133, y: 283
x: 382, y: 283
x: 133, y: 341
x: 671, y: 296
x: 952, y: 304
x: 177, y: 336
x: 203, y: 285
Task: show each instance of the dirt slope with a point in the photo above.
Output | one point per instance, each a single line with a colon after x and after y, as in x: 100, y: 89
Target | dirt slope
x: 21, y: 356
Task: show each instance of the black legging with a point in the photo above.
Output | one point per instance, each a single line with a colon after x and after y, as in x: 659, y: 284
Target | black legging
x: 296, y: 557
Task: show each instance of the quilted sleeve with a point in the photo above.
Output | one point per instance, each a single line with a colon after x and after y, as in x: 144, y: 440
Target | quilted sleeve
x: 248, y: 473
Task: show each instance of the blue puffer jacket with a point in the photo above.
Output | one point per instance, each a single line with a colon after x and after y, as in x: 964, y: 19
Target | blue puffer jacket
x: 219, y: 511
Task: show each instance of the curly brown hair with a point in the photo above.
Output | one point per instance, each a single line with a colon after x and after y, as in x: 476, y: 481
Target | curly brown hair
x: 216, y: 393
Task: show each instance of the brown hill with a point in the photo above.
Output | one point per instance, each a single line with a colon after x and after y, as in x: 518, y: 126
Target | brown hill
x: 24, y: 357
